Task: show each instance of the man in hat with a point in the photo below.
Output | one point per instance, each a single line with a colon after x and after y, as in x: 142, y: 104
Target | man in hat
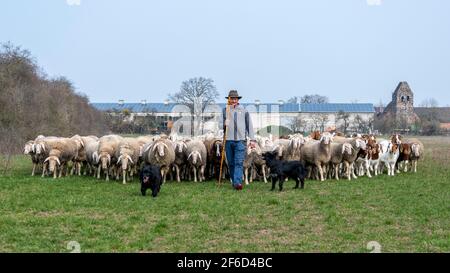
x: 240, y: 129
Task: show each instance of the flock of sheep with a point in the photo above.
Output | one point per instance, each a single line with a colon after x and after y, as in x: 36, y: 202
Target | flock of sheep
x: 198, y: 158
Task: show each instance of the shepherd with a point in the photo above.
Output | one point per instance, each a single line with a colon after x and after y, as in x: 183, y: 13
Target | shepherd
x: 238, y: 128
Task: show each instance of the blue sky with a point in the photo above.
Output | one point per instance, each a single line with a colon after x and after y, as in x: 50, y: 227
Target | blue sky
x: 348, y: 50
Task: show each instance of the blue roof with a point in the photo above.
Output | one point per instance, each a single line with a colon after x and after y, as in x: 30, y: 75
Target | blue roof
x: 263, y: 107
x: 336, y: 107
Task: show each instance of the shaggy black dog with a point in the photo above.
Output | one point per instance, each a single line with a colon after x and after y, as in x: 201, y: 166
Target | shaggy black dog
x: 280, y: 169
x: 150, y: 177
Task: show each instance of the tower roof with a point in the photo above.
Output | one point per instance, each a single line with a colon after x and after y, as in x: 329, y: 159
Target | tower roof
x: 403, y: 86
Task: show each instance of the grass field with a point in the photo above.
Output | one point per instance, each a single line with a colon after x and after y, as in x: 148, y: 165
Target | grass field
x: 406, y: 213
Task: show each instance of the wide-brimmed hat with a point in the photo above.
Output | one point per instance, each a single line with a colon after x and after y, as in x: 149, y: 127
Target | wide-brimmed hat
x: 233, y: 94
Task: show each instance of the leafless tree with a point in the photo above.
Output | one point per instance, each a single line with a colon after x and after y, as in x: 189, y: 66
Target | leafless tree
x: 429, y: 102
x: 196, y: 93
x: 345, y: 119
x: 314, y: 98
x: 297, y: 124
x: 33, y: 104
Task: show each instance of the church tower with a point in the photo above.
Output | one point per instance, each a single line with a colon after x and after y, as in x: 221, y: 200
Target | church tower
x: 402, y: 105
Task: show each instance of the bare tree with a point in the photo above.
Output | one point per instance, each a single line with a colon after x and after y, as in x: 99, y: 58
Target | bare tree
x: 323, y: 119
x: 33, y: 104
x: 294, y: 99
x: 297, y: 124
x: 316, y: 122
x: 429, y: 102
x: 196, y: 93
x: 314, y: 98
x: 345, y: 118
x: 361, y: 125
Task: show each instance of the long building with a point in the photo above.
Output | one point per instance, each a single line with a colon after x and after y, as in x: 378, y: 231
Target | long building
x: 297, y: 117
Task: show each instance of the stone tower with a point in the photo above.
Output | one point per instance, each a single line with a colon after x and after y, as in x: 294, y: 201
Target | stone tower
x: 402, y: 105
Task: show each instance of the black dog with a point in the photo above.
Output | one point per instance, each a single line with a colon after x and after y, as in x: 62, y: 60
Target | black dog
x: 280, y: 169
x: 150, y: 177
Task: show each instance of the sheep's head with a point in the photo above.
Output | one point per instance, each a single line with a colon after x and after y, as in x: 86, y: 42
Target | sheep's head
x: 405, y: 148
x: 105, y: 159
x: 393, y: 149
x: 396, y: 139
x: 360, y: 143
x: 374, y: 151
x: 194, y: 157
x: 326, y: 138
x: 39, y: 148
x: 124, y: 158
x: 180, y: 146
x: 159, y: 147
x: 29, y: 147
x: 371, y: 141
x: 52, y: 161
x: 347, y: 148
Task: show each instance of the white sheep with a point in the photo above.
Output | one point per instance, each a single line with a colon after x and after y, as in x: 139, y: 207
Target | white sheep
x: 196, y: 156
x: 63, y: 151
x: 127, y: 157
x: 318, y: 153
x: 162, y: 154
x: 357, y: 144
x: 107, y: 148
x: 29, y: 149
x: 417, y: 149
x: 252, y: 161
x: 338, y: 152
x: 41, y: 147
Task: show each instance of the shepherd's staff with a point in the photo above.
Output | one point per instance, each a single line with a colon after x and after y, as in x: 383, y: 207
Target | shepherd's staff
x: 224, y: 140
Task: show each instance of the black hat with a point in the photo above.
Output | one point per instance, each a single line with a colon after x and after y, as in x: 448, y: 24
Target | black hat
x: 233, y: 94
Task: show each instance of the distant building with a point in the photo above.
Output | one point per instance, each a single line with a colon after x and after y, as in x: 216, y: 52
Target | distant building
x: 401, y: 108
x: 311, y: 116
